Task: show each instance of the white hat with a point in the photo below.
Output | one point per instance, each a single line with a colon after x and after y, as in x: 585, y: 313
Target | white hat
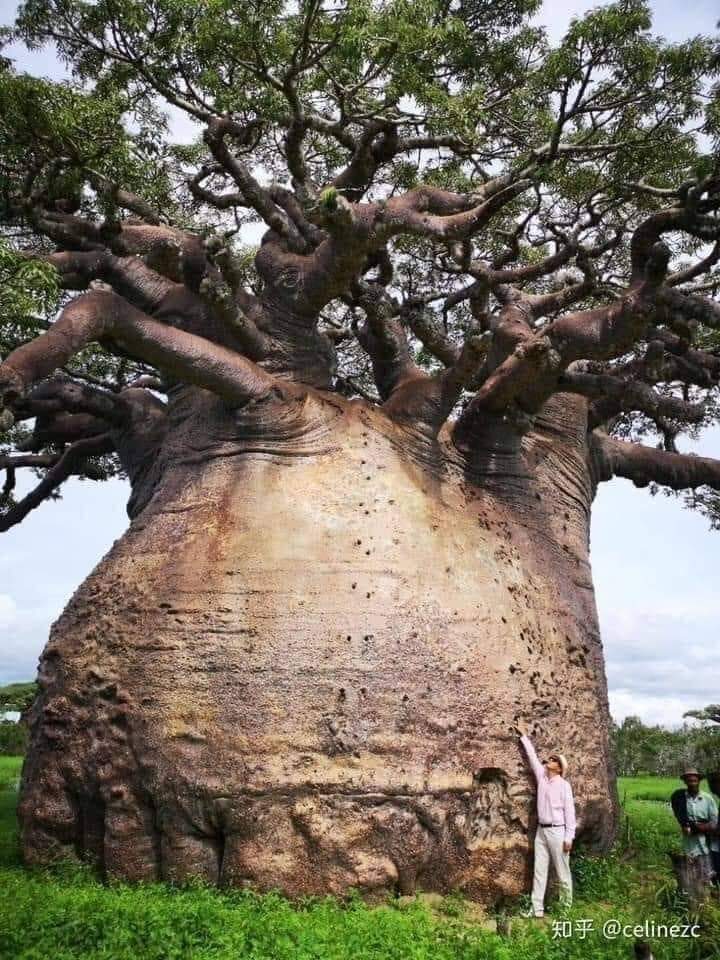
x: 563, y: 764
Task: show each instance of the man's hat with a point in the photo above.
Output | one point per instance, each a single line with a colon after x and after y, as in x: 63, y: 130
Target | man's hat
x: 563, y: 764
x: 690, y: 772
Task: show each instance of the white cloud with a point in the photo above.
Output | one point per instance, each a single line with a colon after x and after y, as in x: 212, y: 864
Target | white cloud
x: 663, y: 710
x: 660, y: 661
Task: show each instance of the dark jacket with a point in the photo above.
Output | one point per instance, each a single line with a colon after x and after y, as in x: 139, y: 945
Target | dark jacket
x: 678, y: 802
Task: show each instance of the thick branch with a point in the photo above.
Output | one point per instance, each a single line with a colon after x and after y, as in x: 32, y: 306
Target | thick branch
x: 696, y: 269
x: 63, y: 395
x: 696, y: 309
x: 651, y: 230
x: 19, y: 460
x: 619, y: 395
x: 175, y: 254
x: 102, y: 315
x: 383, y: 338
x: 128, y: 276
x: 431, y: 212
x: 124, y: 198
x: 63, y: 427
x: 644, y: 465
x: 370, y: 153
x: 530, y: 374
x: 428, y: 332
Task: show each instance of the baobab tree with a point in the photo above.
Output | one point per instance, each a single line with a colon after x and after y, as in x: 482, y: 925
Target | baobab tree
x: 362, y: 454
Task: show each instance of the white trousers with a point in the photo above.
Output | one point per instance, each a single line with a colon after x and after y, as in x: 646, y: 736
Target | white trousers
x: 549, y: 847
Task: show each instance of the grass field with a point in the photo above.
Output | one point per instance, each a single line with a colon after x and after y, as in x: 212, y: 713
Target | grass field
x: 66, y: 914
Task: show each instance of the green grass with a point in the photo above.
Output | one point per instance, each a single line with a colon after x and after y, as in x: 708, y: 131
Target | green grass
x: 66, y: 914
x: 9, y: 781
x: 649, y: 826
x: 648, y: 788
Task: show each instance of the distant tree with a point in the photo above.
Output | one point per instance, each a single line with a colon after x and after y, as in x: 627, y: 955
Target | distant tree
x: 17, y: 696
x: 710, y: 713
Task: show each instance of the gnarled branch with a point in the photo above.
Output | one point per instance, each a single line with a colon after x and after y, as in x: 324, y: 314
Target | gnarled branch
x: 71, y: 461
x: 645, y: 465
x: 100, y: 315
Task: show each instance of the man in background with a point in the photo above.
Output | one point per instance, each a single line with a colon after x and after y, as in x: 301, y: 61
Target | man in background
x: 697, y: 814
x: 556, y: 823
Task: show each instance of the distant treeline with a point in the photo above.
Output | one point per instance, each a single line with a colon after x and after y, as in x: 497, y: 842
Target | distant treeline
x: 641, y: 749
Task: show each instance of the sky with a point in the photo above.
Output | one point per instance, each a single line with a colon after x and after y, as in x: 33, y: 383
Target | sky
x: 655, y: 563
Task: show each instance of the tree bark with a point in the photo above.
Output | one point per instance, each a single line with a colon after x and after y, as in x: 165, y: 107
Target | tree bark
x: 301, y: 666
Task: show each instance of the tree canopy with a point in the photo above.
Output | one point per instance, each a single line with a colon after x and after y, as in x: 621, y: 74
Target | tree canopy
x: 459, y: 220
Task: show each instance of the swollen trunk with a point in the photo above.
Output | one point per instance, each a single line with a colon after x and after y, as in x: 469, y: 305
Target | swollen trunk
x: 301, y: 665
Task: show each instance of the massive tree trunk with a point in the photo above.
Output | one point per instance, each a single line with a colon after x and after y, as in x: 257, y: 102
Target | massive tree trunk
x: 301, y: 665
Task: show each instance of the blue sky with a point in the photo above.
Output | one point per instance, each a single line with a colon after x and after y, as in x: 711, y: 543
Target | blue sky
x: 655, y: 563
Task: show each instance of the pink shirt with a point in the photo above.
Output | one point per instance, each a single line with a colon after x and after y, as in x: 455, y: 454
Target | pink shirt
x: 555, y: 802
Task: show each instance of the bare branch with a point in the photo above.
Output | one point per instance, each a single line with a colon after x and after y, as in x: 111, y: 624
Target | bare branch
x: 255, y: 196
x: 102, y: 315
x: 618, y: 395
x: 383, y: 338
x: 128, y: 276
x: 431, y: 212
x: 71, y: 461
x: 645, y: 465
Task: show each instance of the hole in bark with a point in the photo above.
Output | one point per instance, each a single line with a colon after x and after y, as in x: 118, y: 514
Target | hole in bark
x: 90, y: 836
x: 490, y: 775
